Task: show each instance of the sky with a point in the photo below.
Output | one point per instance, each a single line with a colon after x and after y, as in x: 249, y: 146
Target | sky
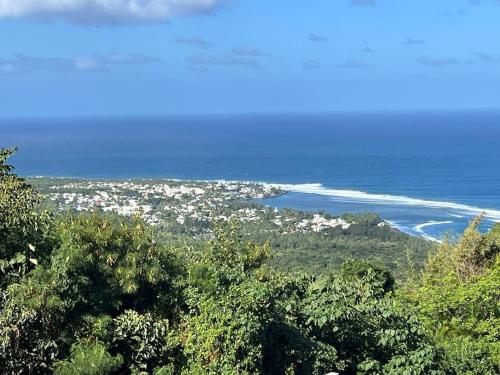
x: 154, y: 57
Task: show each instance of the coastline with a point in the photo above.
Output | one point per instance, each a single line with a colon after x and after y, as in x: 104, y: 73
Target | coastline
x: 429, y: 219
x: 189, y: 211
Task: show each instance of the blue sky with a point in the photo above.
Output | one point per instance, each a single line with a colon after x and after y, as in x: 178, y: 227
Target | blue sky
x: 105, y: 57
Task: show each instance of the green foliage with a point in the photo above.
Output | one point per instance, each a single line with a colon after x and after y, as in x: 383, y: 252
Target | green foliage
x: 459, y: 301
x: 88, y: 359
x: 230, y: 302
x: 359, y: 270
x: 144, y: 341
x: 26, y: 345
x: 98, y: 265
x: 235, y: 324
x: 470, y: 356
x: 370, y: 331
x: 23, y: 226
x: 107, y: 260
x: 324, y: 253
x: 252, y: 320
x: 226, y: 259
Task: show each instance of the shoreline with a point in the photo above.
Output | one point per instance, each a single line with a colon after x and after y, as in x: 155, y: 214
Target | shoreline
x: 333, y: 200
x: 492, y: 214
x: 187, y: 212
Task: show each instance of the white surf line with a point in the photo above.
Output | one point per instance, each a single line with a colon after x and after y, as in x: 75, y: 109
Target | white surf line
x: 419, y: 229
x: 401, y: 228
x: 491, y: 214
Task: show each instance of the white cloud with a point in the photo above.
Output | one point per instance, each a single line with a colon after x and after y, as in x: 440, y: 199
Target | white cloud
x: 104, y: 12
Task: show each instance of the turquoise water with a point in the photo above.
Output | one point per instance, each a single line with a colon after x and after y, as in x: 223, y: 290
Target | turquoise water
x: 426, y: 172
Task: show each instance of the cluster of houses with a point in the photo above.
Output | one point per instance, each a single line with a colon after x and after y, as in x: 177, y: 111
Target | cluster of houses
x: 159, y: 202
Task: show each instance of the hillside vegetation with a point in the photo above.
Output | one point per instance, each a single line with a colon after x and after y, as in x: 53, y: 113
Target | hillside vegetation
x: 96, y: 293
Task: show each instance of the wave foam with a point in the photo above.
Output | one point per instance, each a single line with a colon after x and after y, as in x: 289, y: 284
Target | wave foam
x: 360, y: 196
x: 420, y: 229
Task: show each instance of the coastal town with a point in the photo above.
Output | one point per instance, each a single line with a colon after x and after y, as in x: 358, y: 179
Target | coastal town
x: 193, y: 205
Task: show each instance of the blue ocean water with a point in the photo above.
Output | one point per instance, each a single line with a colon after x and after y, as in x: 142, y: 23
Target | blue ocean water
x: 426, y: 172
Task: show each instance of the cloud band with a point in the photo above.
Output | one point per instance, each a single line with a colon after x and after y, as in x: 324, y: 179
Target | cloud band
x: 104, y: 12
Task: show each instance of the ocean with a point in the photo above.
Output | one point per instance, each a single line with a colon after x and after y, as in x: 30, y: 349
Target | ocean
x: 427, y: 173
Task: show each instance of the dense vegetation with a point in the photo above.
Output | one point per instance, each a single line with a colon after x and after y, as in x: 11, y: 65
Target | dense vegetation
x: 325, y: 252
x: 99, y: 294
x: 458, y: 300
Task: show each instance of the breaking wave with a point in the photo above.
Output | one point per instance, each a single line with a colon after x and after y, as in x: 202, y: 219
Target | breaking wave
x: 385, y: 199
x: 420, y: 229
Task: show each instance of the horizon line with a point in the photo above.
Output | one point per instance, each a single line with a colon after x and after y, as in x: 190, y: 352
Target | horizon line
x: 248, y: 113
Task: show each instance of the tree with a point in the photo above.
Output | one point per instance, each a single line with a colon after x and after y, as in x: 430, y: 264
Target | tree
x: 88, y: 358
x: 102, y: 266
x: 458, y: 300
x: 371, y: 332
x: 24, y: 227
